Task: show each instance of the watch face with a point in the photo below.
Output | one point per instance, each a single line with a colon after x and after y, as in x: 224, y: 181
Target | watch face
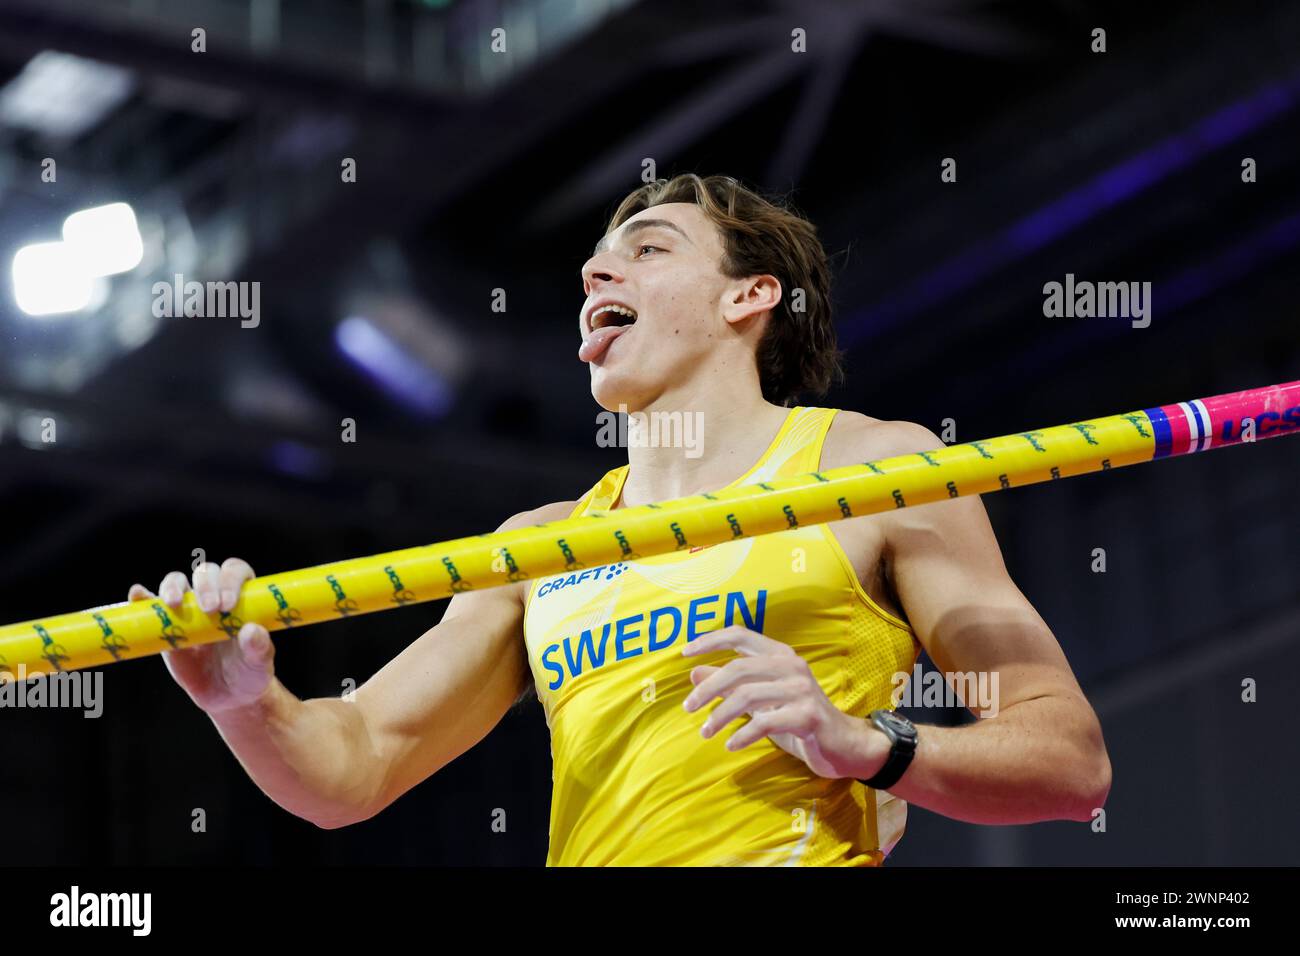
x: 900, y: 725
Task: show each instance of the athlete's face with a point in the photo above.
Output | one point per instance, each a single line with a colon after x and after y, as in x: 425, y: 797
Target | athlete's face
x: 663, y: 265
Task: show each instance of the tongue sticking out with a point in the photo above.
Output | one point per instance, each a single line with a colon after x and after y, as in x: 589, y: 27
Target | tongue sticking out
x: 599, y: 341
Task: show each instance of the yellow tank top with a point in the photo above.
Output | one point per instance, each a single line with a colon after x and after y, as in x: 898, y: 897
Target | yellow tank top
x: 634, y: 782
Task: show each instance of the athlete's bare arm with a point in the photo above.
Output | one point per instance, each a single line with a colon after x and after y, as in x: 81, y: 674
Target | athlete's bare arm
x: 1041, y: 756
x: 449, y: 688
x: 339, y: 761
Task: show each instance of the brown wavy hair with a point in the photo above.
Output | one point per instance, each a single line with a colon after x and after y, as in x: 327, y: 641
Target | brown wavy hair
x: 797, y: 353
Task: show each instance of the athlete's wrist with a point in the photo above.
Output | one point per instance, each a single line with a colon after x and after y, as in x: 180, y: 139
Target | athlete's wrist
x: 869, y: 749
x: 903, y: 740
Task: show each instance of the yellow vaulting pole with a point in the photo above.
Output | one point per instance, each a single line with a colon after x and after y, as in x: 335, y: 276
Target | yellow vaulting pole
x: 361, y: 585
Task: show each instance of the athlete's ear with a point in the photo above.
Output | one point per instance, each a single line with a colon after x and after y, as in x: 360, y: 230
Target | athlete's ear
x: 749, y: 296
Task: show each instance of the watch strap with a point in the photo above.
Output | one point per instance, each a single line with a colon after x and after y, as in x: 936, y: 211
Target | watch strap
x: 901, y: 751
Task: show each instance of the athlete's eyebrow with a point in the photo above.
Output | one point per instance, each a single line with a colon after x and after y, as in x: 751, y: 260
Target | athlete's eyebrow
x: 640, y: 226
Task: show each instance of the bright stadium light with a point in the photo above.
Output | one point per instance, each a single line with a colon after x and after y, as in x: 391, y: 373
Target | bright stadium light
x: 48, y: 280
x: 105, y: 240
x: 62, y: 96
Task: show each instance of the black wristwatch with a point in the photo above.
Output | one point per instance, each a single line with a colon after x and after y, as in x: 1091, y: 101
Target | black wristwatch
x: 902, y: 739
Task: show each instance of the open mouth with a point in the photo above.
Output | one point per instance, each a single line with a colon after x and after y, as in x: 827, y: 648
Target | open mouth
x: 612, y: 314
x: 608, y: 322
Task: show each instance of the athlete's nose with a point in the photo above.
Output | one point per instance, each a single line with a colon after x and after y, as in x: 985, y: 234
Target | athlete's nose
x: 598, y: 270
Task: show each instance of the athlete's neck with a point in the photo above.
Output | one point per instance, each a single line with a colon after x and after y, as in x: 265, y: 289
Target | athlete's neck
x: 730, y: 432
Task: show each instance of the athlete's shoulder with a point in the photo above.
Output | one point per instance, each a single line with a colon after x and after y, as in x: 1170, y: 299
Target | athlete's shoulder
x: 854, y: 438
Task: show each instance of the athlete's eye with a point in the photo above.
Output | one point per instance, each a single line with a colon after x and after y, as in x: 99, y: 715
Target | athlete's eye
x: 639, y: 248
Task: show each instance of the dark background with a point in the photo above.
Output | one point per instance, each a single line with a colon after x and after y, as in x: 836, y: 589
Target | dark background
x: 479, y: 171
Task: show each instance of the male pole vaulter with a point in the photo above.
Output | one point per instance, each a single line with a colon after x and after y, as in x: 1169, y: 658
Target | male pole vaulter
x: 720, y: 705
